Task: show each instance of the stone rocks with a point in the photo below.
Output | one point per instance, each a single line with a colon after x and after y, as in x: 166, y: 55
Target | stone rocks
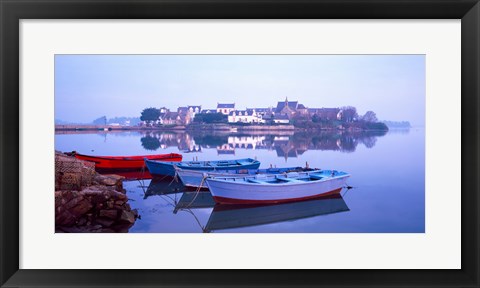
x: 112, y: 214
x: 95, y: 204
x: 127, y: 217
x: 69, y: 207
x: 109, y: 180
x: 105, y: 222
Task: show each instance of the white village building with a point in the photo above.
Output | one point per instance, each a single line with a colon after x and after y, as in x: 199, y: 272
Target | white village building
x: 245, y: 116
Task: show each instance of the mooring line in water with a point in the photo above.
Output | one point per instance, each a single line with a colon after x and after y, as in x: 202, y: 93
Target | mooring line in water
x: 175, y: 178
x: 348, y: 187
x: 172, y: 203
x: 142, y: 183
x: 198, y: 191
x: 194, y: 216
x: 160, y: 179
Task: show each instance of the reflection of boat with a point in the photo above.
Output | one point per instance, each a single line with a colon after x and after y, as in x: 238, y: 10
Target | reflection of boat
x: 235, y: 216
x: 168, y: 169
x: 125, y: 162
x: 132, y: 175
x: 194, y: 200
x: 196, y: 178
x: 159, y: 186
x: 276, y: 188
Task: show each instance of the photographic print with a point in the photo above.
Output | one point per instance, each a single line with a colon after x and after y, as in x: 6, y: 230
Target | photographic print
x: 240, y: 143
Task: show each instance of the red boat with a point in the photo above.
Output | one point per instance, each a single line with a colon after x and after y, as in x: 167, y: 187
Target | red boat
x: 125, y: 162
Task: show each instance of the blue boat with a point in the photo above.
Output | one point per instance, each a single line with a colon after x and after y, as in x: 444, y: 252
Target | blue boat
x: 168, y: 168
x: 196, y: 178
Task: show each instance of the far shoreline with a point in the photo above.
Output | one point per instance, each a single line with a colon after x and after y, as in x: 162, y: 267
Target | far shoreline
x: 204, y: 127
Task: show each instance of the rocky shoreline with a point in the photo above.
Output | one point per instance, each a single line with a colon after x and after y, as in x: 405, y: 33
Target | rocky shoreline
x: 86, y: 201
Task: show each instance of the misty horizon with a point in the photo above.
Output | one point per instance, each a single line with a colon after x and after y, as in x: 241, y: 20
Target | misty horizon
x: 91, y: 86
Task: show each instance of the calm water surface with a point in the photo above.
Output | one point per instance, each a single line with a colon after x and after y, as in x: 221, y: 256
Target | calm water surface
x: 387, y: 173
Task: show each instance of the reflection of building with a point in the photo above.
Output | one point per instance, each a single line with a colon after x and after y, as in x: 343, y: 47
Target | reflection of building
x: 225, y: 149
x: 246, y: 142
x: 242, y: 142
x: 187, y: 144
x: 281, y: 138
x: 285, y: 146
x: 183, y: 141
x: 167, y: 139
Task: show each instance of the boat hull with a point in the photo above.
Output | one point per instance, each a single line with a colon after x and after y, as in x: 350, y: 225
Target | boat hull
x: 240, y: 192
x: 168, y: 168
x: 126, y: 162
x: 129, y: 174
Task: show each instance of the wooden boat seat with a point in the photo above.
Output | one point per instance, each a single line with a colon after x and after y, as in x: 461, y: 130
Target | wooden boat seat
x: 289, y: 179
x: 316, y: 177
x: 256, y: 181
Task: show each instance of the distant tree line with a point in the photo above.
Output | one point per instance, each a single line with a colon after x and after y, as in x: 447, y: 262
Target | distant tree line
x: 348, y: 118
x: 133, y: 121
x: 397, y: 124
x: 210, y: 118
x: 150, y: 115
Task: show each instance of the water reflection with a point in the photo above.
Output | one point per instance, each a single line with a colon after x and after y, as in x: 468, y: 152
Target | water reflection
x: 164, y: 186
x: 285, y: 144
x: 150, y: 143
x: 194, y: 200
x: 385, y: 201
x: 404, y: 131
x: 236, y: 216
x: 224, y: 217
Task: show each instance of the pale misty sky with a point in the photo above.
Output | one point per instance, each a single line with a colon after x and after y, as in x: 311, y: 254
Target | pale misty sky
x: 90, y: 86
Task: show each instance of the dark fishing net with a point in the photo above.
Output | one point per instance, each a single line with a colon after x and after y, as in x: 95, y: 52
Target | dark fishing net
x: 71, y: 173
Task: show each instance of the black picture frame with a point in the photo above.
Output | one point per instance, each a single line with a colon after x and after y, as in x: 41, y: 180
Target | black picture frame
x: 12, y: 11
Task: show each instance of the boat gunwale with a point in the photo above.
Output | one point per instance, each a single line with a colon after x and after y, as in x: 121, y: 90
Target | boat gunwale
x: 202, y: 164
x: 285, y: 183
x: 129, y: 158
x: 236, y: 175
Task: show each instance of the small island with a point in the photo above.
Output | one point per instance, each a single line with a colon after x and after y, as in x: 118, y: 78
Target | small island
x: 285, y: 116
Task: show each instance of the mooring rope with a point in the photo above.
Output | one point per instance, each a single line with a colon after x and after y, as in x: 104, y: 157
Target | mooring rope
x: 348, y: 187
x: 205, y: 176
x: 175, y: 178
x: 173, y: 202
x: 195, y: 217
